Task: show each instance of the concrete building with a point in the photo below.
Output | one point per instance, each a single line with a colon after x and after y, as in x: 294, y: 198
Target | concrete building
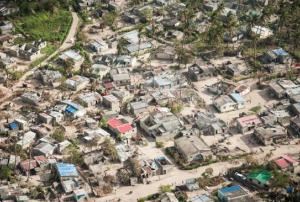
x: 161, y: 125
x: 225, y: 104
x: 77, y: 83
x: 247, y: 123
x: 268, y: 136
x: 111, y: 102
x: 232, y: 194
x: 192, y: 148
x: 89, y: 99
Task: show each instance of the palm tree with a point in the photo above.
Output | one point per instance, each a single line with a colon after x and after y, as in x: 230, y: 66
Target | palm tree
x: 121, y: 44
x: 85, y: 67
x: 69, y: 63
x: 231, y: 24
x: 3, y: 67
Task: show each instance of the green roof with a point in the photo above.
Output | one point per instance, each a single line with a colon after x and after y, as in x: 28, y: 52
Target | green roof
x: 262, y: 176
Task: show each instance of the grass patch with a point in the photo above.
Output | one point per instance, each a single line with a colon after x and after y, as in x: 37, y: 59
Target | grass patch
x: 255, y: 109
x: 51, y: 27
x: 49, y: 49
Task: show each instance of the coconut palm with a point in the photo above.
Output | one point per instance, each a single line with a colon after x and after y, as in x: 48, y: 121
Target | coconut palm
x: 231, y: 24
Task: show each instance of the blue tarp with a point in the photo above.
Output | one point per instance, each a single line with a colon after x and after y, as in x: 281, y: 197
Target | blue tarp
x: 237, y: 97
x: 230, y: 189
x: 280, y: 52
x: 13, y: 126
x: 66, y: 170
x: 71, y: 109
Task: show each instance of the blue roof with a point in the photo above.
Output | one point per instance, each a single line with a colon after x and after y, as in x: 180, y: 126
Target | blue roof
x: 13, y: 126
x: 71, y: 109
x: 66, y: 170
x: 280, y: 52
x: 230, y: 189
x: 237, y: 97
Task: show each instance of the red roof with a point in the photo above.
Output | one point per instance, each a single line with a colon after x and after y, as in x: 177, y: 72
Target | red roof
x: 41, y: 160
x: 25, y: 165
x: 114, y: 123
x: 249, y: 120
x: 282, y: 163
x: 290, y: 159
x: 125, y: 128
x: 119, y: 125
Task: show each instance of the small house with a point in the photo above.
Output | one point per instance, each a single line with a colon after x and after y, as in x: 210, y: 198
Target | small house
x: 138, y: 108
x: 44, y: 149
x: 232, y: 193
x: 27, y: 139
x: 111, y: 102
x: 99, y: 70
x: 247, y: 123
x: 270, y: 135
x: 122, y: 79
x: 98, y: 46
x: 89, y: 99
x: 73, y: 109
x: 225, y: 104
x: 77, y: 83
x: 192, y: 148
x: 31, y: 98
x: 238, y: 98
x: 121, y: 128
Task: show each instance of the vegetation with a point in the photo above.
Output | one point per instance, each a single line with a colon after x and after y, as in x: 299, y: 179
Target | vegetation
x: 52, y: 27
x: 165, y: 188
x: 159, y: 144
x: 75, y: 157
x: 49, y: 49
x: 279, y: 179
x: 110, y: 150
x: 5, y: 173
x: 135, y: 166
x: 176, y: 108
x: 256, y: 109
x: 110, y: 18
x: 58, y: 135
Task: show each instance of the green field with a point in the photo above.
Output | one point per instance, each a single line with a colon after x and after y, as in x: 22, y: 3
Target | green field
x: 51, y: 27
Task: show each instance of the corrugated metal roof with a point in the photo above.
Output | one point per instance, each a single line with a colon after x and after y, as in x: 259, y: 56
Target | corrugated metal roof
x: 66, y: 170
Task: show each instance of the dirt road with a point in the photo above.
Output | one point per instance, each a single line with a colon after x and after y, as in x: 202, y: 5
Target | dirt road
x: 177, y: 177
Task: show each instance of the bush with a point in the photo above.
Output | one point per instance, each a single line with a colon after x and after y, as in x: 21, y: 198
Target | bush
x: 159, y: 144
x: 58, y: 135
x: 165, y: 188
x: 256, y: 109
x: 5, y: 173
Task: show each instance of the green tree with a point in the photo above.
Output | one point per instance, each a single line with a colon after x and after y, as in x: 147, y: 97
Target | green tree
x: 135, y: 166
x: 231, y: 24
x: 110, y: 18
x: 5, y: 173
x: 110, y: 150
x: 121, y: 46
x: 69, y: 63
x: 165, y: 188
x: 3, y: 67
x: 159, y: 144
x: 76, y: 157
x: 58, y: 135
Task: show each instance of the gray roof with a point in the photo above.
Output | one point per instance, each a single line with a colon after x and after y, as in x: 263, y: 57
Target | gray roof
x: 138, y: 105
x: 191, y: 145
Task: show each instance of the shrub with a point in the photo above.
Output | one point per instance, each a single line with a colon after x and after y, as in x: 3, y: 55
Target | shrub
x: 159, y: 144
x: 165, y: 188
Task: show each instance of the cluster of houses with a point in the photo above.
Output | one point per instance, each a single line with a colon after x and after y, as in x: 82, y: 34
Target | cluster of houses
x: 70, y: 125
